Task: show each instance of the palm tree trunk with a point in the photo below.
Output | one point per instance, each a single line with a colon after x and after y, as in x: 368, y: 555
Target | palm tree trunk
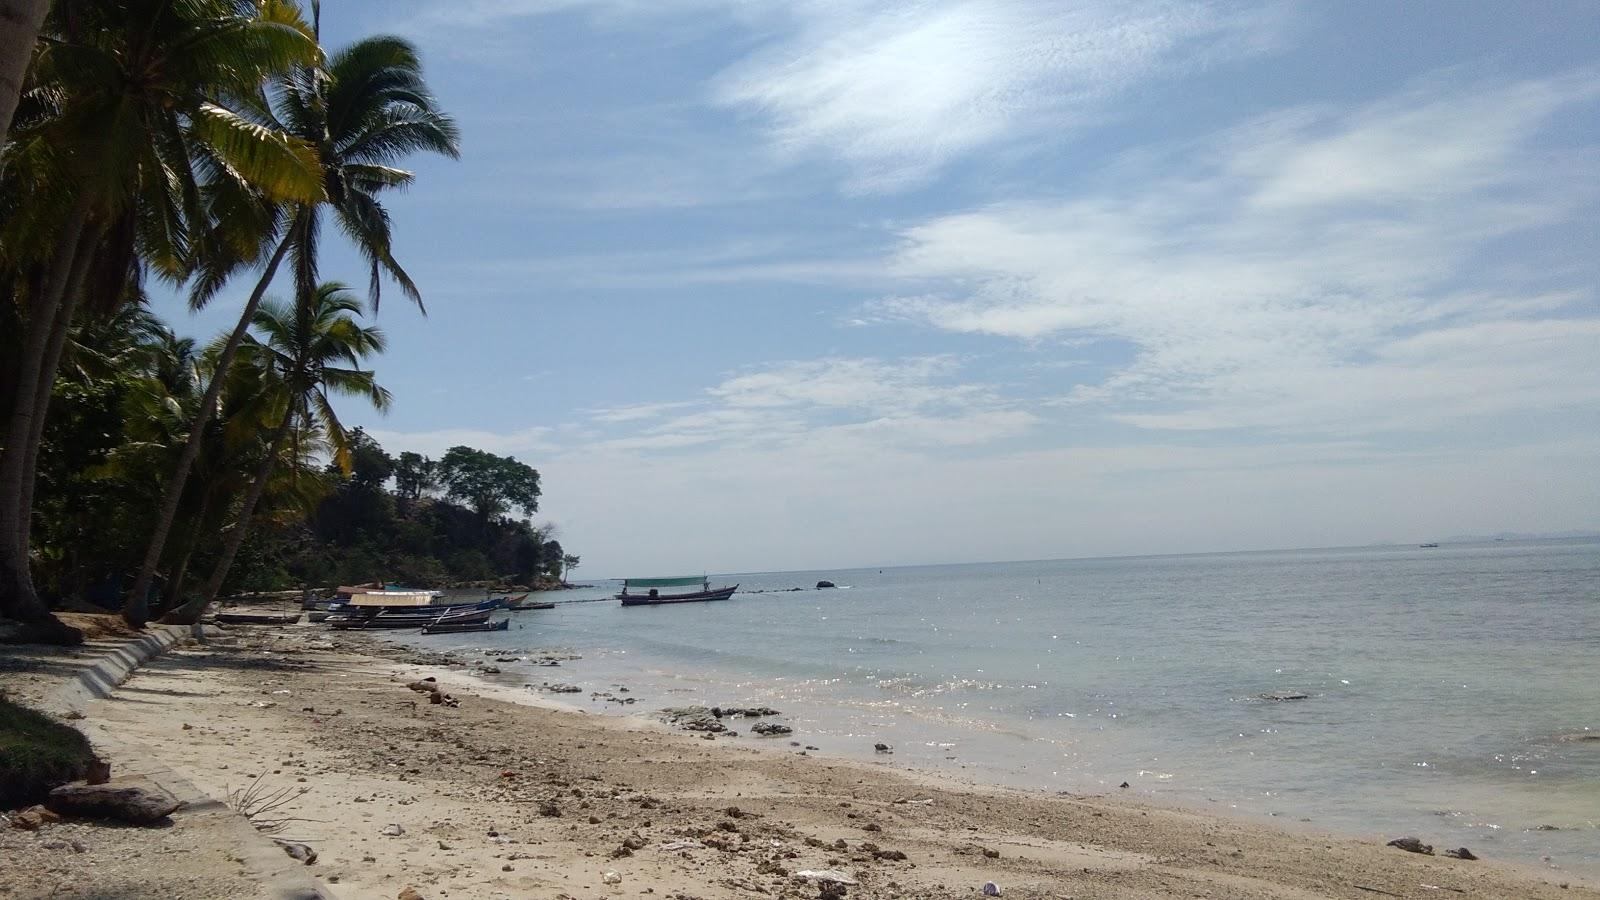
x: 59, y: 329
x: 190, y: 613
x: 19, y: 28
x: 18, y: 599
x: 137, y: 608
x: 180, y: 571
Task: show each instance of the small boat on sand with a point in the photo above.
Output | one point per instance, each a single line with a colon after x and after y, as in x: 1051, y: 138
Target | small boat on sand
x: 463, y: 628
x: 651, y: 591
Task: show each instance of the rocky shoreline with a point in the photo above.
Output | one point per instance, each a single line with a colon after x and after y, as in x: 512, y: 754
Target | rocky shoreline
x: 506, y: 793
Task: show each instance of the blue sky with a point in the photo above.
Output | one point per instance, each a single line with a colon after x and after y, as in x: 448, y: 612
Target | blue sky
x: 819, y: 283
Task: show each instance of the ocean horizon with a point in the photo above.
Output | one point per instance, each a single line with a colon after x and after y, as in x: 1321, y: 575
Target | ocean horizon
x: 1448, y: 692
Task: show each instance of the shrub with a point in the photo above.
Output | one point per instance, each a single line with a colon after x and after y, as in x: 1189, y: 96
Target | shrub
x: 36, y: 754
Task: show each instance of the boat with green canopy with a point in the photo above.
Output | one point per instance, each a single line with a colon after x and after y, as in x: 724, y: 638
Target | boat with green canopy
x: 648, y: 591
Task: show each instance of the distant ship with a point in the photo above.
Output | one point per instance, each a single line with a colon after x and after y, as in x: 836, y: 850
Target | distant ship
x: 1427, y: 546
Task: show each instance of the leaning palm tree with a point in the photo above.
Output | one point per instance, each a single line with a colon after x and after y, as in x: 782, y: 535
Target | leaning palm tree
x: 364, y: 111
x: 125, y: 104
x: 306, y: 353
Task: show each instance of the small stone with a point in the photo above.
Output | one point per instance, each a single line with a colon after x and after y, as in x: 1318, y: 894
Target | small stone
x: 991, y: 854
x: 298, y: 851
x: 611, y: 878
x: 882, y: 748
x: 392, y: 830
x: 410, y: 893
x: 1460, y: 853
x: 990, y: 889
x: 891, y: 855
x: 1412, y: 845
x: 33, y: 818
x: 507, y: 868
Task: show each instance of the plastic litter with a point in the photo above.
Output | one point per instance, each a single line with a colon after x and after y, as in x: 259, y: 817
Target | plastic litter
x: 833, y: 875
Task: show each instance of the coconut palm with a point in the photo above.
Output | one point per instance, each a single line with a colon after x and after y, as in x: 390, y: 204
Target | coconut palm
x: 364, y: 111
x: 104, y: 175
x: 307, y: 352
x: 19, y: 27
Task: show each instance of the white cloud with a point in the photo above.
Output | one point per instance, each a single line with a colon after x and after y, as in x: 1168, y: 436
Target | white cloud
x: 850, y: 405
x: 894, y: 92
x: 898, y: 91
x: 1288, y: 273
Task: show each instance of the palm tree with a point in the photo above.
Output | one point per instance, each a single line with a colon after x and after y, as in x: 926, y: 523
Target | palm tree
x: 126, y: 109
x: 365, y: 110
x: 307, y: 353
x: 19, y: 27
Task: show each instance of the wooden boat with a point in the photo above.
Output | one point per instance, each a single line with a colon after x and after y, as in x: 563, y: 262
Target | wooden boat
x: 652, y: 595
x: 228, y: 618
x: 412, y: 618
x: 520, y: 603
x: 442, y: 609
x: 461, y: 628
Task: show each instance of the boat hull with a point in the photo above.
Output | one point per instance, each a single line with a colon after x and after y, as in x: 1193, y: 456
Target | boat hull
x: 663, y: 599
x: 454, y: 628
x: 257, y: 619
x: 410, y: 620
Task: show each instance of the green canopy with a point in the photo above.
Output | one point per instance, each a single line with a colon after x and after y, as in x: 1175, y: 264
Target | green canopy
x: 664, y: 582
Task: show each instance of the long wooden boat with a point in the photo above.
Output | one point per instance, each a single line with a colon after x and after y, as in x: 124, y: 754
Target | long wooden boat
x: 652, y: 595
x: 442, y: 609
x: 412, y: 619
x: 228, y: 618
x: 461, y: 627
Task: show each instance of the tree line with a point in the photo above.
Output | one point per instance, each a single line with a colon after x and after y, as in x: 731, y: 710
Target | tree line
x: 207, y: 145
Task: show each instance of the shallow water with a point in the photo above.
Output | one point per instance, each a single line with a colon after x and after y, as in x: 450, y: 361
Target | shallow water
x: 1441, y: 680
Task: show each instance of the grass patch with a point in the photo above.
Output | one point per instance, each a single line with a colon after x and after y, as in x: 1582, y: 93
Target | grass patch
x: 36, y: 754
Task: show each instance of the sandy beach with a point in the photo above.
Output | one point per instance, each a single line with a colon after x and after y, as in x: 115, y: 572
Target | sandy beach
x: 512, y: 795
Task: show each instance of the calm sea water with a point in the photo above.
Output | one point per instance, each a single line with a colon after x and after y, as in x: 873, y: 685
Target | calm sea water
x: 1442, y: 681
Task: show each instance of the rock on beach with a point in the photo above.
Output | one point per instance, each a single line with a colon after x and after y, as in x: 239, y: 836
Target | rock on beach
x: 140, y: 803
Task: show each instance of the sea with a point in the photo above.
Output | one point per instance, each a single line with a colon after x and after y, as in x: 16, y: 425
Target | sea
x: 1451, y: 693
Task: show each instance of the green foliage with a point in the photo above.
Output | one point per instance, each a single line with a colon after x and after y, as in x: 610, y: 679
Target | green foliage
x: 492, y: 485
x: 361, y: 530
x: 36, y: 754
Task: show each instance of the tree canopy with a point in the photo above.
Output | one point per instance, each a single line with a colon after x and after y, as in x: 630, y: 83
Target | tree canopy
x: 491, y: 485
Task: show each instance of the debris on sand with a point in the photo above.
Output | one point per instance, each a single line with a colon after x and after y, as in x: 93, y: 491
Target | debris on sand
x: 1412, y: 845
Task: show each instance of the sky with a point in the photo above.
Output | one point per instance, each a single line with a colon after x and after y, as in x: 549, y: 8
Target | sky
x: 812, y: 284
